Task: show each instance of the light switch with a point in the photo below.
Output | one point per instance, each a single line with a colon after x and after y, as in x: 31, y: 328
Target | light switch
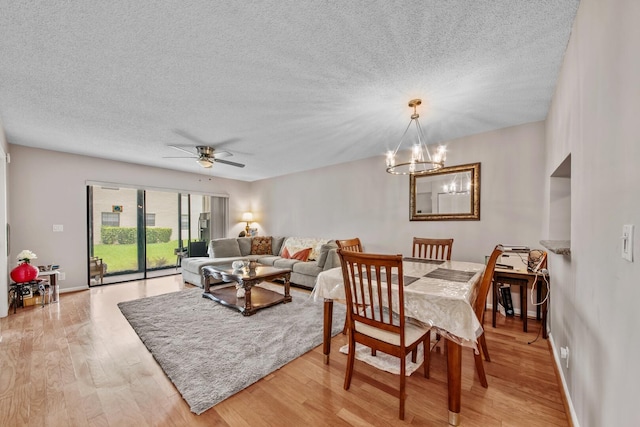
x: 58, y: 228
x: 627, y: 242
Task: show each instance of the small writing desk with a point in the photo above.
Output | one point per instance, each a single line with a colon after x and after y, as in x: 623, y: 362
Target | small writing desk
x: 525, y: 279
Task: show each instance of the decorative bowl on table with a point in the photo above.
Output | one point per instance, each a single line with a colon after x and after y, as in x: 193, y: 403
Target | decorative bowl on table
x: 238, y: 265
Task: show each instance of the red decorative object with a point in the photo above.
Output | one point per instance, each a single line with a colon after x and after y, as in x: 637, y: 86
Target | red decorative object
x: 24, y: 273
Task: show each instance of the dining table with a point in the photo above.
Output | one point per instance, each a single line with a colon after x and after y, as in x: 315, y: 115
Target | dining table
x: 437, y: 293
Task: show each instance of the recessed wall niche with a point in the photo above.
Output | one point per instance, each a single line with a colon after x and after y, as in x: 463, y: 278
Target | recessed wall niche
x: 560, y: 208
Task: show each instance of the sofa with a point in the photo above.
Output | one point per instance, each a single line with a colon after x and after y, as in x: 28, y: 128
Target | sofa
x: 306, y: 257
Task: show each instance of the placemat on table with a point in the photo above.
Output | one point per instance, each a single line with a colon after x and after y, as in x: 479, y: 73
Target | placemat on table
x: 424, y: 260
x: 454, y: 275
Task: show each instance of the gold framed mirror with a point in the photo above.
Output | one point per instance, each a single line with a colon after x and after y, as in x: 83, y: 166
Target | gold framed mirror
x: 451, y: 193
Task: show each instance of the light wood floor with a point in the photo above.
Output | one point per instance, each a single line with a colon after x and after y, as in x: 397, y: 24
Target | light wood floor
x: 79, y: 363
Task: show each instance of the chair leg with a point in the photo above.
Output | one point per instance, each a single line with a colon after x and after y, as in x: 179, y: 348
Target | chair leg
x: 483, y: 345
x: 414, y: 355
x: 350, y: 360
x: 427, y: 354
x: 480, y: 369
x: 403, y: 382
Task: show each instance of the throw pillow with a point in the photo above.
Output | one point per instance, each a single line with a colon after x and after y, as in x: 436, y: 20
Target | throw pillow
x: 276, y: 245
x: 225, y: 248
x: 302, y: 255
x: 245, y: 245
x: 324, y: 251
x: 261, y: 245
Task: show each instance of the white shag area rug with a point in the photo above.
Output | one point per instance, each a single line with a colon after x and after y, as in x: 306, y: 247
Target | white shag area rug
x: 211, y: 352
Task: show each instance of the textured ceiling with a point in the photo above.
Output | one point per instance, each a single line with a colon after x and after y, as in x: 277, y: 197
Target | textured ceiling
x: 284, y: 86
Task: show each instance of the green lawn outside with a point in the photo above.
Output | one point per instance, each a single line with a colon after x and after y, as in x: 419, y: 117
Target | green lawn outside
x: 124, y: 257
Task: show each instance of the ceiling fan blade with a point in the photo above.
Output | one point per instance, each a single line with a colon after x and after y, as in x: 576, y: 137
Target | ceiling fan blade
x: 177, y: 147
x: 189, y: 136
x: 227, y: 162
x: 226, y: 142
x: 180, y: 157
x: 221, y: 154
x: 197, y: 140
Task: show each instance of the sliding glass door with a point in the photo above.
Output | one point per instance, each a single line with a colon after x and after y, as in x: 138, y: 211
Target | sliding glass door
x: 141, y: 233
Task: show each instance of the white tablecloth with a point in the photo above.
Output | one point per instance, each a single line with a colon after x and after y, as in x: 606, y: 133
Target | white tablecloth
x: 442, y: 303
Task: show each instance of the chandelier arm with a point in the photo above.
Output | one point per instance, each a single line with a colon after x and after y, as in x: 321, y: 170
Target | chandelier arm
x: 423, y: 140
x: 402, y: 138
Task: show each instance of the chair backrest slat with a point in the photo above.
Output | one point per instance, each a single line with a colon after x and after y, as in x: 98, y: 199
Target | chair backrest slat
x: 432, y: 248
x: 350, y: 244
x: 374, y: 286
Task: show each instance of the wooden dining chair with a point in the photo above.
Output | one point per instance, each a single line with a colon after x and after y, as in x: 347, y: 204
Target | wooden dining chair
x: 350, y: 244
x: 479, y: 309
x: 374, y: 288
x: 432, y: 248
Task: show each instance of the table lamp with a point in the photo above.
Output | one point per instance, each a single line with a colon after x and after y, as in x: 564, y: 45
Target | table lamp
x: 248, y: 217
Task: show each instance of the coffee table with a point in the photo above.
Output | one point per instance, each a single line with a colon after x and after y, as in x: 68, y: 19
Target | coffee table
x: 255, y: 298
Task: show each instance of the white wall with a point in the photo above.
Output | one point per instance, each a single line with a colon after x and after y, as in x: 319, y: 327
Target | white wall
x: 595, y: 293
x: 48, y: 187
x: 361, y: 199
x: 4, y: 271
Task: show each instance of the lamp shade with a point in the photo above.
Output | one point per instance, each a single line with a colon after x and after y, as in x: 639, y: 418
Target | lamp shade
x: 247, y: 216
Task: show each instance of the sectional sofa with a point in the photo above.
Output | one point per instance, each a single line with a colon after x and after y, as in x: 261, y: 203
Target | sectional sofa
x: 316, y: 255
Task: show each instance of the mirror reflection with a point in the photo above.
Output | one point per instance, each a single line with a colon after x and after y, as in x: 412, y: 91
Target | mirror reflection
x: 447, y: 194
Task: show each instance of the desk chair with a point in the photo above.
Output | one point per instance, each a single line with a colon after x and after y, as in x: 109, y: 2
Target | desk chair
x: 432, y: 248
x: 350, y: 244
x: 370, y: 316
x: 479, y: 309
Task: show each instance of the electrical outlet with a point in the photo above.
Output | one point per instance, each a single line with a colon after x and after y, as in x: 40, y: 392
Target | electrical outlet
x: 564, y: 354
x: 57, y: 228
x: 627, y: 242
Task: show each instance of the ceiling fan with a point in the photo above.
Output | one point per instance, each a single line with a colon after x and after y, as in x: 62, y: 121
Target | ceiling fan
x: 206, y: 156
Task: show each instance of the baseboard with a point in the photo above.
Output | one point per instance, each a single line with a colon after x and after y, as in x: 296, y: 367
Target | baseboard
x: 566, y: 397
x: 76, y: 289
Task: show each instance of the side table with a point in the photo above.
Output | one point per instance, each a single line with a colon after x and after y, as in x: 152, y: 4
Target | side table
x: 52, y: 277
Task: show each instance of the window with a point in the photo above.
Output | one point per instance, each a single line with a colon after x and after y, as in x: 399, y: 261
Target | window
x: 150, y: 219
x: 111, y: 219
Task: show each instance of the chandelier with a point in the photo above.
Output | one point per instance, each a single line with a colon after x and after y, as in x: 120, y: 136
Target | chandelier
x: 422, y: 161
x: 457, y: 186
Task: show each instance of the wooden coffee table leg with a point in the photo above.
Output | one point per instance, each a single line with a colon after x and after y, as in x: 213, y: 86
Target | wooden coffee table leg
x: 328, y: 320
x: 287, y: 288
x: 454, y: 381
x: 247, y: 302
x: 207, y: 284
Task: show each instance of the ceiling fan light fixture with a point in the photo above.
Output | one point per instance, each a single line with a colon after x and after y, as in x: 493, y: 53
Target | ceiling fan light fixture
x: 205, y: 162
